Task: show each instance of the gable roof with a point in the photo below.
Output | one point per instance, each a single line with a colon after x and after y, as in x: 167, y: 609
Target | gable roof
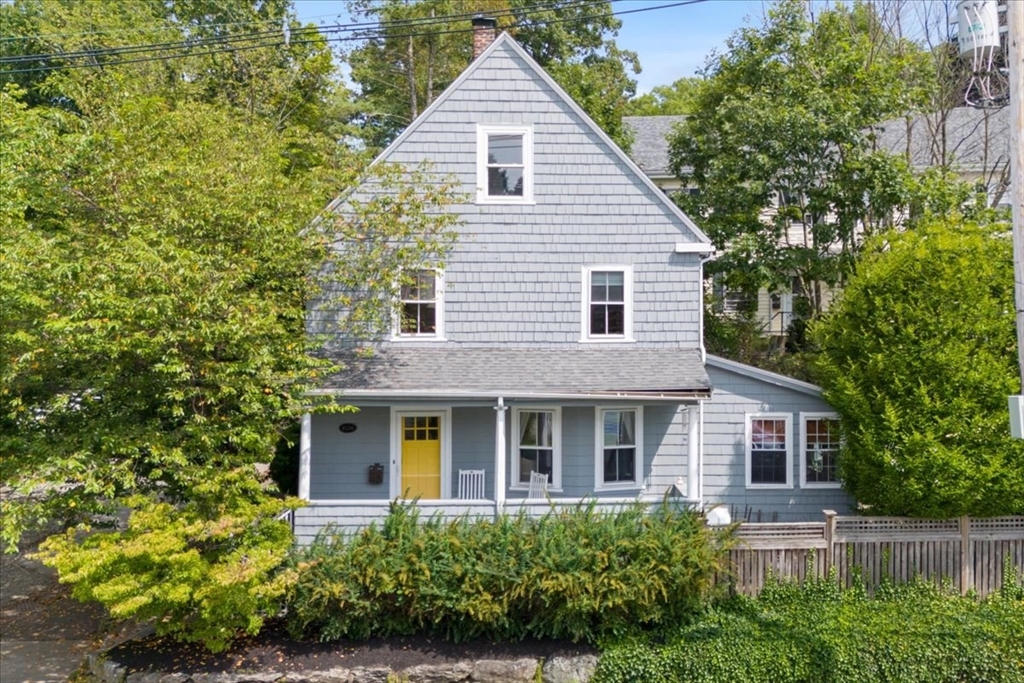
x: 977, y: 139
x: 764, y: 375
x: 505, y: 40
x: 650, y: 142
x: 522, y: 372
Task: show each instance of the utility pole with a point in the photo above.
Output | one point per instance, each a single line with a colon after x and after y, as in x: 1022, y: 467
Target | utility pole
x: 1015, y: 38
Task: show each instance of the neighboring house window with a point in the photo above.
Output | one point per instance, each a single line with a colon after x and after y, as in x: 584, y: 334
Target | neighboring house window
x: 820, y: 453
x: 769, y: 450
x: 504, y: 164
x: 608, y: 303
x: 538, y: 446
x: 619, y: 441
x: 421, y: 312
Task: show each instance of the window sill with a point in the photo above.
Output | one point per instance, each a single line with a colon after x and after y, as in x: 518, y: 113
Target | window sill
x: 618, y: 487
x: 526, y: 489
x: 769, y: 487
x: 822, y: 485
x: 496, y: 201
x: 414, y: 339
x: 607, y: 340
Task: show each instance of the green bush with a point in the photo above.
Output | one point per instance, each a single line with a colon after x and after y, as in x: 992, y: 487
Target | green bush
x: 821, y: 634
x: 575, y: 574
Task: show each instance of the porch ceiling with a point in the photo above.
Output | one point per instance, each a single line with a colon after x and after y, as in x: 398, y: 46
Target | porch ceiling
x: 641, y: 373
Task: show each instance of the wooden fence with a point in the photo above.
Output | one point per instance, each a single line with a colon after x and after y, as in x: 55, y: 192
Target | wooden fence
x: 967, y: 553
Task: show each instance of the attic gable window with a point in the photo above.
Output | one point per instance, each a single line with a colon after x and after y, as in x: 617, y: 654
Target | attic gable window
x: 504, y: 164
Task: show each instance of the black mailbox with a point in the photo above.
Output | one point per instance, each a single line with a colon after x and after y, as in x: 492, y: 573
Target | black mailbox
x: 376, y: 474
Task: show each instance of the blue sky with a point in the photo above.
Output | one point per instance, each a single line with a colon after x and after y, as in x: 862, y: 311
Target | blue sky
x: 671, y: 43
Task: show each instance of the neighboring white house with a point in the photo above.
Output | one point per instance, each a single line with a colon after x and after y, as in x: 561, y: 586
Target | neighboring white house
x: 973, y: 142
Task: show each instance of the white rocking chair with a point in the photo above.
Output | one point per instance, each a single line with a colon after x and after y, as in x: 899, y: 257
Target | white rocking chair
x: 538, y: 485
x: 471, y: 484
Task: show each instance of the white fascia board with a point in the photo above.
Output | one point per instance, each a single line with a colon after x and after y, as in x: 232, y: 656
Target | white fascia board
x: 694, y: 248
x: 764, y: 375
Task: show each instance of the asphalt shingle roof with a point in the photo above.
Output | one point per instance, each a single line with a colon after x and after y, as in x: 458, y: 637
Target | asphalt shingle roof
x: 517, y: 371
x: 650, y: 142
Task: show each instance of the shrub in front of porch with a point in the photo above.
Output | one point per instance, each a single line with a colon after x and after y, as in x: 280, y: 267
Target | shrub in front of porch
x: 576, y: 574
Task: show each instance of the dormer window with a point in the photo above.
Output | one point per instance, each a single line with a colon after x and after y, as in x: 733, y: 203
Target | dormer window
x: 421, y: 312
x: 504, y: 164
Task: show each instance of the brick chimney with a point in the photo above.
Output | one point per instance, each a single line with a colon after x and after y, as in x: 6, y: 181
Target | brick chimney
x: 484, y: 29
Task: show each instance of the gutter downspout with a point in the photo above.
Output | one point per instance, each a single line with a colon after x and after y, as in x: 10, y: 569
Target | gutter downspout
x: 499, y: 457
x: 695, y: 471
x: 693, y: 454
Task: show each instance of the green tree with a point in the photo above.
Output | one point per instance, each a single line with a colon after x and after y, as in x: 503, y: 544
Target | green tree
x: 676, y: 99
x: 918, y: 357
x: 781, y: 146
x: 418, y: 54
x: 158, y: 249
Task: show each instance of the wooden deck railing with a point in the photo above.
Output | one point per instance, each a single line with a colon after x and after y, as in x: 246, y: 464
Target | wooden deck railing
x: 970, y: 554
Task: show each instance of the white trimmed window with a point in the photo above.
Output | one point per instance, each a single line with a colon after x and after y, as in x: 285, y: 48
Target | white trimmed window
x: 538, y: 446
x: 607, y: 303
x: 504, y: 164
x: 769, y: 439
x: 819, y: 455
x: 620, y: 448
x: 421, y: 306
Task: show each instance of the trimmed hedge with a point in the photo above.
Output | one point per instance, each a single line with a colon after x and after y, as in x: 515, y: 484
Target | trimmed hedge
x: 821, y: 634
x: 575, y: 574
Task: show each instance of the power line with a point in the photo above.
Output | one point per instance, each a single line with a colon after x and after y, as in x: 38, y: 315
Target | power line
x: 373, y: 26
x: 370, y: 35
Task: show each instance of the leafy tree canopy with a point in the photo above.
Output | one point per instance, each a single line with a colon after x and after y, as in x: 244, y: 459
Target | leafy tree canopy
x: 781, y: 145
x: 157, y: 252
x: 918, y: 357
x: 417, y: 55
x: 676, y: 99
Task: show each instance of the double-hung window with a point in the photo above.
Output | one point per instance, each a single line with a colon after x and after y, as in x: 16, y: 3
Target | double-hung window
x: 619, y: 457
x: 421, y: 312
x: 819, y: 455
x: 504, y: 164
x: 538, y: 446
x: 769, y: 450
x: 607, y: 303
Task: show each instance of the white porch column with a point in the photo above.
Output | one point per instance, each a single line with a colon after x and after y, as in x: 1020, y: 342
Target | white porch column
x: 304, y: 455
x: 693, y: 453
x: 499, y: 457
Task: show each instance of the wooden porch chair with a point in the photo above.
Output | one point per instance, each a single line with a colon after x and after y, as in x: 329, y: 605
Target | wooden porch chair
x: 471, y: 484
x: 538, y: 485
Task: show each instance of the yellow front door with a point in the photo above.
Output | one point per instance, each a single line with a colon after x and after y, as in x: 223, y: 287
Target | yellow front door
x: 421, y: 457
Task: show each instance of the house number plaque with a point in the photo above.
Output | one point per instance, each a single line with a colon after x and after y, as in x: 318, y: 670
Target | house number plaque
x: 347, y: 428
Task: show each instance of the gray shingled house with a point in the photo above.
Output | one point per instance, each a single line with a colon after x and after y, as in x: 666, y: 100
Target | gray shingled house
x: 559, y: 354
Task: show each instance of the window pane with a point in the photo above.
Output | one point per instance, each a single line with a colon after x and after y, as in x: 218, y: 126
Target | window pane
x: 598, y: 319
x: 504, y: 182
x: 534, y: 460
x: 616, y: 319
x: 627, y: 428
x: 505, y: 149
x: 528, y: 429
x: 428, y: 319
x: 768, y: 467
x: 822, y: 450
x: 619, y: 464
x: 610, y: 427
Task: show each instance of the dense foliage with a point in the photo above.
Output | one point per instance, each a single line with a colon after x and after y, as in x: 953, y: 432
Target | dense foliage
x: 821, y: 634
x: 918, y: 358
x: 574, y: 574
x: 156, y: 263
x: 676, y: 99
x: 425, y: 46
x: 781, y: 143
